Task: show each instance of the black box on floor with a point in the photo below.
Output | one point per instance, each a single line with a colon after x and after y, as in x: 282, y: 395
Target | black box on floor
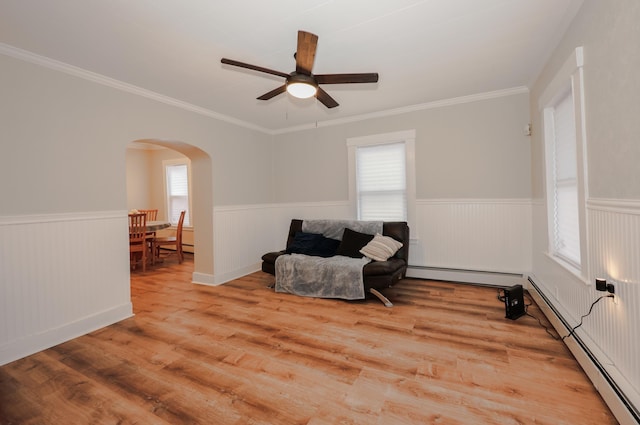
x: 514, y: 302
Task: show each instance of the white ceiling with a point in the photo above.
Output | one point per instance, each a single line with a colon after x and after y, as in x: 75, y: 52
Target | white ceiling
x: 424, y: 50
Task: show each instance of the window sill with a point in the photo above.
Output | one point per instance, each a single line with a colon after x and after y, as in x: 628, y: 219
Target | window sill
x: 576, y: 272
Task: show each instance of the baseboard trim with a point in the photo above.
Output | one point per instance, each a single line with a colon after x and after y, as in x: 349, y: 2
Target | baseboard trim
x: 478, y: 277
x: 203, y: 279
x: 619, y: 404
x: 32, y: 344
x: 237, y: 273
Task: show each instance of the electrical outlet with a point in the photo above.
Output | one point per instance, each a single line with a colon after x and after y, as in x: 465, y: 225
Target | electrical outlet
x: 610, y: 288
x: 604, y: 286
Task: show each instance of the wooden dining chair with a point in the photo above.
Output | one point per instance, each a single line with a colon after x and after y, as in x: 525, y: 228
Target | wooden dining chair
x: 138, y: 240
x: 173, y: 241
x: 152, y: 215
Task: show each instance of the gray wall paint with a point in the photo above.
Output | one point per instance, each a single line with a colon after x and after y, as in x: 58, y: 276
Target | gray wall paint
x: 470, y: 150
x: 66, y: 138
x: 609, y: 32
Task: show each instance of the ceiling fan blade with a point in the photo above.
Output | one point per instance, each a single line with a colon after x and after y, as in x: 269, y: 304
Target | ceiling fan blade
x: 253, y: 67
x: 371, y: 77
x: 326, y: 100
x: 306, y: 53
x: 273, y: 93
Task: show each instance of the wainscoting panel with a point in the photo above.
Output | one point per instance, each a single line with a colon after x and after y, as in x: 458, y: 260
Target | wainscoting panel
x: 242, y: 234
x: 61, y: 276
x: 482, y: 235
x: 468, y: 234
x: 610, y: 332
x: 614, y: 228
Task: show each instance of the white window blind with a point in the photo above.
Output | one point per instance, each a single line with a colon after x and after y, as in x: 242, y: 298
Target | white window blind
x: 566, y: 228
x: 381, y: 182
x: 177, y: 192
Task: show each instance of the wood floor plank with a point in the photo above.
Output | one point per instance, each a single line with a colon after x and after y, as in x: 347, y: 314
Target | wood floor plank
x: 241, y: 353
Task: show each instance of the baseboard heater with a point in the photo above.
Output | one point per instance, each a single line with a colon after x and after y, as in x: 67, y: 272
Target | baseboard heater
x: 476, y: 277
x: 188, y: 248
x: 623, y: 398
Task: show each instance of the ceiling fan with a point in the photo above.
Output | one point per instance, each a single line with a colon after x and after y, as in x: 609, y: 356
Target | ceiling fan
x: 302, y: 82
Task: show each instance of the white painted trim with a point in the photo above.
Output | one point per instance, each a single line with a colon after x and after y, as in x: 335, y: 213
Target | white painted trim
x: 408, y: 137
x: 603, y: 387
x: 569, y: 268
x: 569, y: 75
x: 620, y: 206
x: 562, y: 77
x: 235, y: 274
x: 408, y: 109
x: 488, y: 201
x: 46, y: 62
x: 59, y: 217
x: 480, y: 277
x: 203, y: 279
x: 165, y: 180
x: 31, y: 344
x: 383, y: 138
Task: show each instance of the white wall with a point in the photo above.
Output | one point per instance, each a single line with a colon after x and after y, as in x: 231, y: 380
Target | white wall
x: 609, y: 32
x: 63, y: 169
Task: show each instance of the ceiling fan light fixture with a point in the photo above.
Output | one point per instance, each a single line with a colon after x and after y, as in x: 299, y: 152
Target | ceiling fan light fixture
x: 301, y: 86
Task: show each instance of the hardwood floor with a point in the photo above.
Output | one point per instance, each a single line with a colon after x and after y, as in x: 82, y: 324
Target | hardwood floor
x: 242, y: 354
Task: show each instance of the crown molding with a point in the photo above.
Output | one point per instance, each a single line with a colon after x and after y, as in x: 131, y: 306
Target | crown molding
x: 46, y: 62
x: 408, y: 109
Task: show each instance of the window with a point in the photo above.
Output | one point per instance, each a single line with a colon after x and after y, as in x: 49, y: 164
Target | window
x: 564, y: 179
x: 563, y: 114
x: 382, y: 176
x: 177, y: 178
x: 381, y: 182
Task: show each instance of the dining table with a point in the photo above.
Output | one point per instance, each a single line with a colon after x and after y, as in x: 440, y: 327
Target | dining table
x: 155, y: 225
x: 152, y: 227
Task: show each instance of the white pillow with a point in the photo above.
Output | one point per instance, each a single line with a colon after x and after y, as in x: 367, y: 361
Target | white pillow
x: 381, y: 248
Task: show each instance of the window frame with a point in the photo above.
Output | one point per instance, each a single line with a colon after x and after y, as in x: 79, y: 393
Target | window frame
x: 569, y: 77
x: 407, y: 137
x: 175, y: 162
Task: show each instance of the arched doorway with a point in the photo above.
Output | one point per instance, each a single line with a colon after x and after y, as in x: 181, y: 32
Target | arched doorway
x: 152, y: 181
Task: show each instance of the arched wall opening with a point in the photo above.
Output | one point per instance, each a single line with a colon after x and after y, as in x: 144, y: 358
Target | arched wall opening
x: 201, y: 199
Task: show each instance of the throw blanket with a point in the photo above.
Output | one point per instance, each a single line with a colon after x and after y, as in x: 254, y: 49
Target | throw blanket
x: 334, y: 228
x: 333, y: 277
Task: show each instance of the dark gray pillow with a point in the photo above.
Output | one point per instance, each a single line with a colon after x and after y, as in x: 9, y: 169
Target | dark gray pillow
x: 352, y: 243
x: 313, y: 244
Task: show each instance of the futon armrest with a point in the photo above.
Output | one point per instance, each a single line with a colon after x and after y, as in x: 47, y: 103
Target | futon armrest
x: 388, y: 267
x: 270, y: 257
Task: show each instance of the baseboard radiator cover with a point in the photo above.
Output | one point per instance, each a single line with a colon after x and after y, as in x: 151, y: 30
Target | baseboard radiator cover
x: 622, y: 407
x: 476, y: 277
